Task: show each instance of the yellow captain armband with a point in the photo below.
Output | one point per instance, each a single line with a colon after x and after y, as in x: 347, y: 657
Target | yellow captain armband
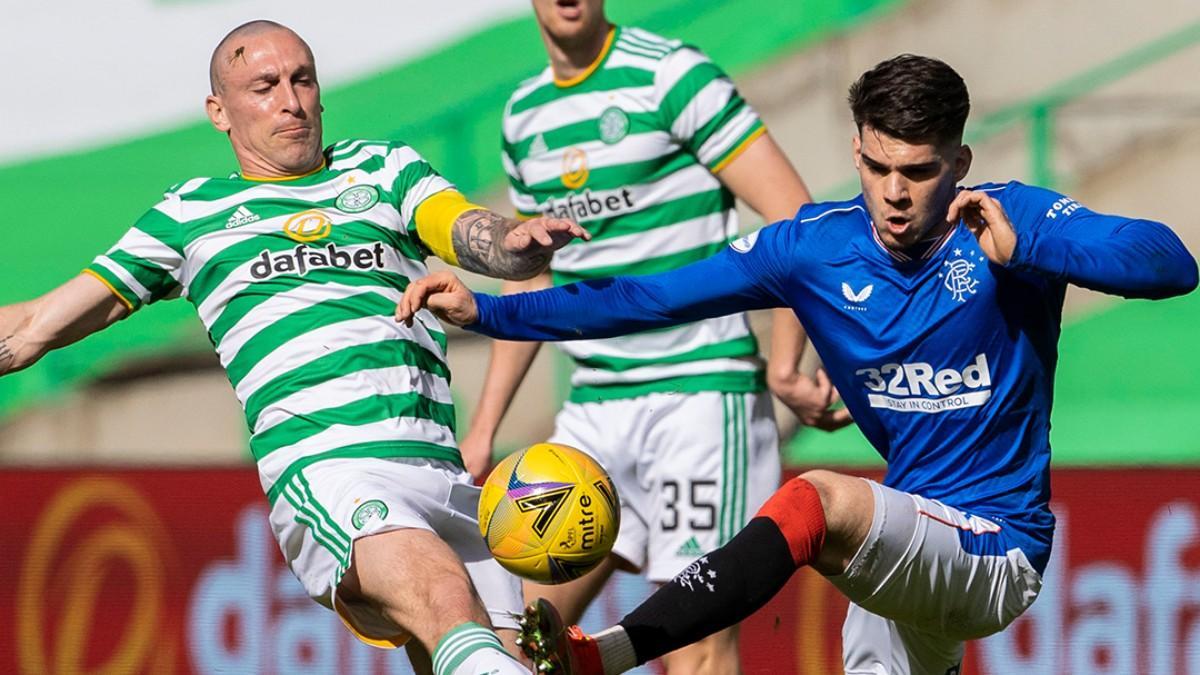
x: 435, y: 221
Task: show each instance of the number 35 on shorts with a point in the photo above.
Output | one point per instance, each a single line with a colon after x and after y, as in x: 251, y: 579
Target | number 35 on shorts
x: 690, y: 503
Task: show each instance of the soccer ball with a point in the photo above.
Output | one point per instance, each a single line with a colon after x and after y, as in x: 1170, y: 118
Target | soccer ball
x: 549, y: 513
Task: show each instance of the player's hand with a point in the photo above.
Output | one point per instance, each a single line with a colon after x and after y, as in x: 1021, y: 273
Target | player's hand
x: 477, y: 454
x: 986, y: 219
x: 443, y: 294
x: 543, y: 235
x: 811, y: 399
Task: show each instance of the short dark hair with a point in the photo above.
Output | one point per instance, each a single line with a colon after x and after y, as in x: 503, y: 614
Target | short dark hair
x: 913, y: 98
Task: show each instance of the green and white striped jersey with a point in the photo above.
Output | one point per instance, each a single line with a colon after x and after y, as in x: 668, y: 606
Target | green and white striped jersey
x: 629, y: 149
x: 297, y: 281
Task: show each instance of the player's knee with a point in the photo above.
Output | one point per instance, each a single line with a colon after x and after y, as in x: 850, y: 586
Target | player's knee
x: 798, y: 510
x: 826, y: 484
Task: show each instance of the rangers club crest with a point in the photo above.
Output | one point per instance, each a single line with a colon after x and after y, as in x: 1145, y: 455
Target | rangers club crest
x: 958, y: 279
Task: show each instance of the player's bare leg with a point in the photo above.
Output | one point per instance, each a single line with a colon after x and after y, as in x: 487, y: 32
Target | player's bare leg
x: 418, y: 582
x: 716, y: 654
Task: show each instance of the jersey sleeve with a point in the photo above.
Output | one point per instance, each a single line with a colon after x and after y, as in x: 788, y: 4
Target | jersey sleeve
x: 428, y: 203
x: 415, y: 181
x: 742, y: 277
x: 1060, y: 238
x: 702, y: 109
x: 144, y: 266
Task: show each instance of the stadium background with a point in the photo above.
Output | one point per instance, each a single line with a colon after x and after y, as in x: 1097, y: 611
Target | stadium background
x: 135, y: 539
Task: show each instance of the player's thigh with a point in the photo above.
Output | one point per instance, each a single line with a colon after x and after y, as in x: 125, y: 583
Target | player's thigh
x: 709, y: 462
x: 919, y: 566
x: 872, y: 645
x: 497, y: 588
x: 415, y: 580
x: 391, y: 531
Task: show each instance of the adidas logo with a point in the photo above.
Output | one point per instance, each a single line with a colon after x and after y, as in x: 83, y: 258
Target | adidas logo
x: 690, y: 549
x: 538, y: 146
x: 243, y: 216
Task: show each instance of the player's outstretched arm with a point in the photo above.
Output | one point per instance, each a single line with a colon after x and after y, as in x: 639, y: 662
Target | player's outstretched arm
x: 69, y: 313
x: 1055, y: 236
x: 602, y: 308
x: 488, y: 243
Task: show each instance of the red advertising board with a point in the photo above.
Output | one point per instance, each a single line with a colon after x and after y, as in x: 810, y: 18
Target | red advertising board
x: 175, y: 571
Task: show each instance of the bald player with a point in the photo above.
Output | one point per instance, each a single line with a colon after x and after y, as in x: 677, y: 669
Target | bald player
x: 294, y: 264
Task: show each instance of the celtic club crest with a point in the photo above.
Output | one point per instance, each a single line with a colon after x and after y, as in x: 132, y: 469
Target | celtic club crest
x: 369, y: 510
x: 614, y: 125
x: 357, y: 199
x: 958, y: 278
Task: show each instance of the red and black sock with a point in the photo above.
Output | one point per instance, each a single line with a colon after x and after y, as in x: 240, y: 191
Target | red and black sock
x: 734, y: 581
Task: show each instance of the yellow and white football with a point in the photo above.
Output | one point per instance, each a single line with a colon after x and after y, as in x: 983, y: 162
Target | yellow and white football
x: 549, y: 513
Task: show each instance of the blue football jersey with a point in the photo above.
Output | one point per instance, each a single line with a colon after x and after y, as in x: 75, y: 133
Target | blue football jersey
x: 945, y: 359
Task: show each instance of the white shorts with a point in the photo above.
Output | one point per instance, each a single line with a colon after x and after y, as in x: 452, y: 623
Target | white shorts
x: 328, y: 505
x: 916, y: 594
x: 690, y: 469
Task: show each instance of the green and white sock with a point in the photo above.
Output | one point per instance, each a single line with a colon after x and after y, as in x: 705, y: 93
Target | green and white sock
x: 471, y: 649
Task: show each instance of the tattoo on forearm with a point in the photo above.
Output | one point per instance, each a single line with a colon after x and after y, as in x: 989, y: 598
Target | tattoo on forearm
x: 7, y: 357
x: 478, y: 238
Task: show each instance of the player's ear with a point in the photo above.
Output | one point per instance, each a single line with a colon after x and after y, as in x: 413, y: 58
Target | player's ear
x: 962, y: 162
x: 856, y: 148
x: 216, y: 113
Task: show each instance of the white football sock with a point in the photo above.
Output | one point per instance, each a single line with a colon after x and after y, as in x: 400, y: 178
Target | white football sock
x: 616, y: 651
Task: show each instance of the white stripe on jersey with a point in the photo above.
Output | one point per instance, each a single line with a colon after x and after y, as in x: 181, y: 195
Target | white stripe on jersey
x: 522, y: 202
x: 426, y: 187
x: 675, y: 65
x: 723, y: 140
x: 397, y: 429
x: 630, y: 248
x: 638, y: 49
x: 642, y: 34
x: 584, y: 376
x: 282, y: 305
x: 528, y: 86
x: 354, y: 387
x: 575, y: 108
x: 662, y: 343
x: 126, y: 278
x: 620, y: 59
x: 702, y: 108
x: 310, y: 346
x: 139, y: 244
x: 635, y: 148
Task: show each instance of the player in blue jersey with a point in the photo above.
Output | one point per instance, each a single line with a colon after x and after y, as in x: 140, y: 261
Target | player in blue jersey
x: 940, y: 311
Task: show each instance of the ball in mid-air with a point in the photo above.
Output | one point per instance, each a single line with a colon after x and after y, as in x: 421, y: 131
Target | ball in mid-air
x: 549, y: 513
